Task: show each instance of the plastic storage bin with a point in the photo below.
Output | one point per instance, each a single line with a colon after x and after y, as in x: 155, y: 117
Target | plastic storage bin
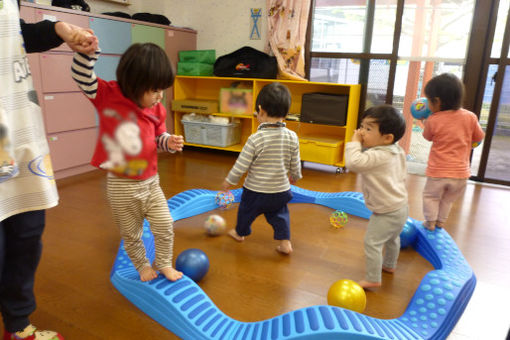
x: 198, y: 56
x: 320, y: 149
x: 222, y: 135
x: 194, y: 69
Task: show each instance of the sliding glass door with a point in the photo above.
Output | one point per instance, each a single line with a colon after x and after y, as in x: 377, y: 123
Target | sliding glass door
x: 491, y: 160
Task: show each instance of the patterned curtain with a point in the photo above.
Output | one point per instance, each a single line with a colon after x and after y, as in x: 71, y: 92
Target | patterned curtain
x: 287, y: 21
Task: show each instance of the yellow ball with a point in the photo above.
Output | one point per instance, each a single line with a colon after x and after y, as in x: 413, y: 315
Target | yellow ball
x: 347, y: 294
x: 338, y: 219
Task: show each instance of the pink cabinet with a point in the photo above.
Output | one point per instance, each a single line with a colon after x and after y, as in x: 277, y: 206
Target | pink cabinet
x: 71, y: 18
x: 56, y: 72
x: 68, y: 111
x: 175, y: 41
x: 27, y: 14
x: 71, y: 148
x: 69, y: 117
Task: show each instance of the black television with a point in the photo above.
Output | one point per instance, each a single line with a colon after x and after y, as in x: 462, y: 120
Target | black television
x: 324, y: 108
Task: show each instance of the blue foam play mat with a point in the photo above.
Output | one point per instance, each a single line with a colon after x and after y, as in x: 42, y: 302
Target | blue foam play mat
x: 184, y: 308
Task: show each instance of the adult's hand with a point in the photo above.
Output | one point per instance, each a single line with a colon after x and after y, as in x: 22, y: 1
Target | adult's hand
x: 77, y: 38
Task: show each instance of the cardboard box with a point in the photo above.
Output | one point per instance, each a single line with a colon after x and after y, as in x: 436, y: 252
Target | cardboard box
x: 195, y: 105
x: 238, y: 101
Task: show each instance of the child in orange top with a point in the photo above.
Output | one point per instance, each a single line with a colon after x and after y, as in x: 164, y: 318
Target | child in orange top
x: 453, y: 132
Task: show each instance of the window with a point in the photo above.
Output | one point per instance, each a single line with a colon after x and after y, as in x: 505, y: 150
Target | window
x: 352, y: 42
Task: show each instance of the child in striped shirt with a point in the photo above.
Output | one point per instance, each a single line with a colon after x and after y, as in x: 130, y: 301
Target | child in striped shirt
x: 271, y: 158
x: 131, y: 129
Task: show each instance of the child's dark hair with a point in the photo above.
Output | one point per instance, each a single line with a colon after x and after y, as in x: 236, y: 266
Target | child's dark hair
x: 144, y: 67
x: 448, y: 88
x: 390, y: 120
x: 275, y: 99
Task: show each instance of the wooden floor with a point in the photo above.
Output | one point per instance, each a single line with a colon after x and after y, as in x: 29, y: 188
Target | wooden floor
x: 251, y: 281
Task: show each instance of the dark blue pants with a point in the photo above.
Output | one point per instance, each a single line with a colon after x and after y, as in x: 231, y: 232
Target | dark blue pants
x: 20, y: 252
x: 274, y: 208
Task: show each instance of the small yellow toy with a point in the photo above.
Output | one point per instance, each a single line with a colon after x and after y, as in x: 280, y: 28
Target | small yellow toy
x: 338, y: 219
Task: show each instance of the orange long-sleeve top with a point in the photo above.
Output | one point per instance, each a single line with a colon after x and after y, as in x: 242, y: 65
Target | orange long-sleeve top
x: 452, y: 134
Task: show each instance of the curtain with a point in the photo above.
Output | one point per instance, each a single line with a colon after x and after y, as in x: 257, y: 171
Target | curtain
x: 287, y: 23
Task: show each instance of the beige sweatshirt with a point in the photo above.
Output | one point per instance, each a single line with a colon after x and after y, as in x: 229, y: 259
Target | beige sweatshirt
x: 383, y: 172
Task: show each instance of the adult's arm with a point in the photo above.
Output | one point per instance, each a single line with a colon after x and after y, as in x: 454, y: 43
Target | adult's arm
x: 40, y: 36
x: 45, y: 35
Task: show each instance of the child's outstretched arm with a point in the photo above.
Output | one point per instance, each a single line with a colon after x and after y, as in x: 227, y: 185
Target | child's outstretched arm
x: 225, y: 186
x: 82, y: 71
x: 170, y: 143
x: 175, y: 142
x: 242, y: 163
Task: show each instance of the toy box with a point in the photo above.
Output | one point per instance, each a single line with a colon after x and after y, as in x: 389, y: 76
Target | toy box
x: 237, y: 101
x: 320, y: 149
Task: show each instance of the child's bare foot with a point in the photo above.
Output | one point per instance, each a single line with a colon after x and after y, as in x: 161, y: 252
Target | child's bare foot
x: 368, y: 284
x: 440, y: 225
x: 285, y: 247
x: 147, y: 273
x: 388, y: 270
x: 171, y: 273
x: 232, y: 233
x: 430, y: 225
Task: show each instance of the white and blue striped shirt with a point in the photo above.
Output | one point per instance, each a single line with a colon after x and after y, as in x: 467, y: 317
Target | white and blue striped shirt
x: 270, y: 156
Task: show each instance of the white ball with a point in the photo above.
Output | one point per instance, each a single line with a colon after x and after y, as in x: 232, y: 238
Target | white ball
x: 215, y: 225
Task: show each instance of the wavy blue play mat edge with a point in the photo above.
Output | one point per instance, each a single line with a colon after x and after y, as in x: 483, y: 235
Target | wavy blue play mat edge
x: 183, y: 307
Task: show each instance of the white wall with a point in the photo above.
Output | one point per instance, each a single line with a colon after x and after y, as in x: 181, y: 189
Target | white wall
x: 224, y: 26
x: 151, y: 6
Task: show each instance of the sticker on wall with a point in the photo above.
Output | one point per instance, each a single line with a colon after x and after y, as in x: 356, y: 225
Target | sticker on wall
x: 256, y: 13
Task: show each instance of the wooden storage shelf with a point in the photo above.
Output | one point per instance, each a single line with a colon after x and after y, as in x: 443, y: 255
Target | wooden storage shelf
x: 320, y: 143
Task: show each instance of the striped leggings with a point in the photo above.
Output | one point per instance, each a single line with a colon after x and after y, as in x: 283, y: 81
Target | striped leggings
x: 133, y: 200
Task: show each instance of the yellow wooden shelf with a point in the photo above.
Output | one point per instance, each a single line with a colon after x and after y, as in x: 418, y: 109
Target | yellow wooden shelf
x: 320, y: 143
x: 225, y: 114
x: 235, y: 147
